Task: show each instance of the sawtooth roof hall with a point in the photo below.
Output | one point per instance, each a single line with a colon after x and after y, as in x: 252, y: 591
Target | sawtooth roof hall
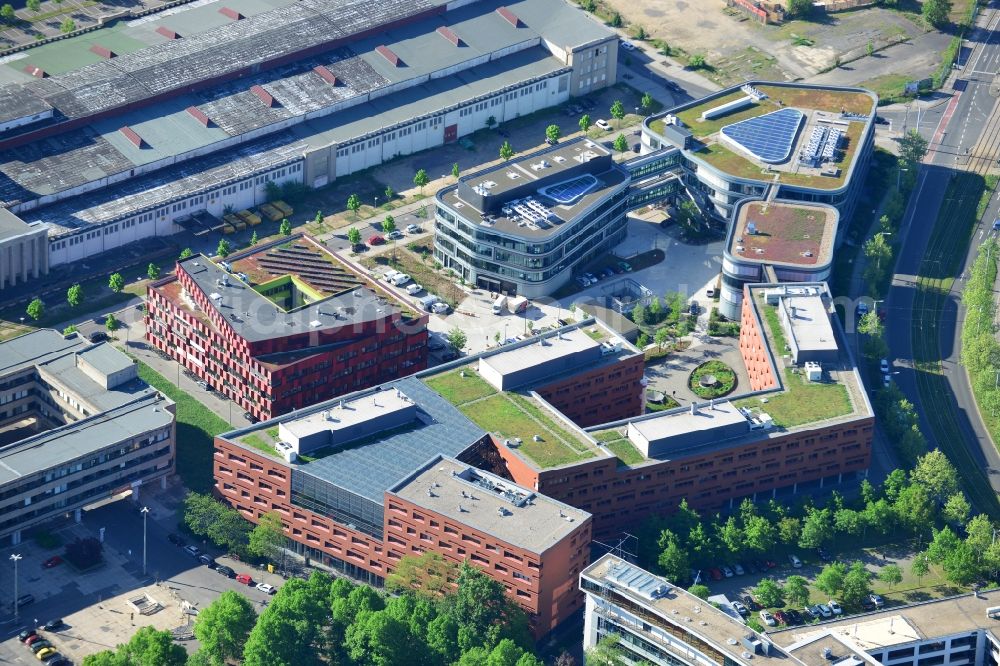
x: 137, y: 127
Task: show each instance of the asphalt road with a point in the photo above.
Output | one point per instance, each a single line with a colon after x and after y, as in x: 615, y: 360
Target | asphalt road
x: 964, y: 121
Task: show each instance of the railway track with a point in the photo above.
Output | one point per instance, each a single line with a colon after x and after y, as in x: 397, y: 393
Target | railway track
x: 946, y: 250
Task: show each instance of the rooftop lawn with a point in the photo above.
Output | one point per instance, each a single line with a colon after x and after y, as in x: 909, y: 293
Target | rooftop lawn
x: 774, y: 324
x: 804, y: 402
x: 257, y: 442
x: 626, y: 451
x: 511, y: 416
x: 458, y: 390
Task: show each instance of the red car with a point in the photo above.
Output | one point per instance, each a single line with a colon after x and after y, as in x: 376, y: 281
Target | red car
x: 715, y: 574
x: 53, y: 561
x: 375, y: 239
x: 780, y: 617
x: 32, y: 639
x: 246, y: 579
x: 770, y: 564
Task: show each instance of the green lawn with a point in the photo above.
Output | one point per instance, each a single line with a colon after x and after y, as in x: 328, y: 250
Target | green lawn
x: 197, y: 427
x: 804, y: 401
x: 459, y: 390
x: 257, y: 442
x: 626, y: 451
x: 513, y: 416
x: 774, y: 324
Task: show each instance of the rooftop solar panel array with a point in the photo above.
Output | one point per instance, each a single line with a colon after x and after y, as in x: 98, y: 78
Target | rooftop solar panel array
x: 769, y: 137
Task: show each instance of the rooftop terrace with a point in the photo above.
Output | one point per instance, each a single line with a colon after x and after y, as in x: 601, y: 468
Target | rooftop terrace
x: 848, y: 109
x: 282, y: 307
x: 537, y: 194
x: 784, y: 233
x: 511, y: 416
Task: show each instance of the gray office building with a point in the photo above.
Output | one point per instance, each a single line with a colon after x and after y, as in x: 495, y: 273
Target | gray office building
x: 77, y: 425
x: 522, y: 227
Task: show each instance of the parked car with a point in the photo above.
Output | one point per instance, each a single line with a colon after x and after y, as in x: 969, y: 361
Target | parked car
x: 250, y: 417
x: 879, y: 120
x: 265, y: 588
x: 46, y: 653
x: 750, y: 602
x: 58, y: 661
x: 38, y: 646
x: 710, y: 292
x: 738, y: 569
x: 25, y: 600
x: 440, y: 308
x: 175, y: 539
x: 727, y: 572
x: 740, y: 608
x: 835, y: 607
x: 375, y: 239
x: 604, y: 125
x: 193, y: 551
x: 412, y: 229
x: 25, y: 634
x: 31, y: 640
x: 886, y: 380
x: 867, y: 604
x: 207, y: 560
x: 245, y: 579
x: 98, y: 336
x: 796, y: 562
x: 883, y: 366
x: 53, y: 624
x: 793, y: 616
x: 824, y: 556
x: 694, y: 309
x: 225, y: 571
x: 825, y: 611
x: 414, y: 289
x: 53, y: 561
x: 813, y: 611
x: 996, y: 222
x: 625, y: 266
x: 435, y: 345
x: 627, y: 45
x: 768, y: 619
x: 862, y: 309
x: 715, y: 573
x: 877, y: 600
x: 781, y: 617
x: 770, y: 564
x: 395, y: 234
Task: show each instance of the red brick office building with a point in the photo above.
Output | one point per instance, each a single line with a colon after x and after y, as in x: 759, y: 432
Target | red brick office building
x: 283, y: 326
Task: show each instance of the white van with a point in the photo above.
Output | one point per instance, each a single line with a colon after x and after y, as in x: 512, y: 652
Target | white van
x: 399, y: 279
x: 500, y: 304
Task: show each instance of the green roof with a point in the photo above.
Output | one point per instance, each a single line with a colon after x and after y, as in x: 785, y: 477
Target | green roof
x: 511, y: 415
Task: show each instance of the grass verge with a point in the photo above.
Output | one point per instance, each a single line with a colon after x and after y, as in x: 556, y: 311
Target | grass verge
x: 197, y: 427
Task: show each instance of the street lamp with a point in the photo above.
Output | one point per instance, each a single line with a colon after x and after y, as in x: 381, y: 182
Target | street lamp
x: 144, y: 511
x: 15, y: 557
x: 898, y: 173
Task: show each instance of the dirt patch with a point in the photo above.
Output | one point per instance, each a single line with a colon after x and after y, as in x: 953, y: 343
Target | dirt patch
x: 737, y: 48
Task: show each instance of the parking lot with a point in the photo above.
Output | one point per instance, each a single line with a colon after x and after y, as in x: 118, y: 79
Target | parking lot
x: 94, y: 603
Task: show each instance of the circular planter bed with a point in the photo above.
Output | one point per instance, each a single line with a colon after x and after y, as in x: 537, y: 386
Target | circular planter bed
x: 712, y: 379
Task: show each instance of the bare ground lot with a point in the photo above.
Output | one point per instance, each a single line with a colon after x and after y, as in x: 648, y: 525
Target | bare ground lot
x: 738, y: 49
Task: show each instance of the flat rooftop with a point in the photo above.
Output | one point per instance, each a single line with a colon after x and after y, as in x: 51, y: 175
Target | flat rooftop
x: 843, y: 651
x: 851, y: 110
x: 77, y: 440
x: 370, y: 466
x: 490, y: 504
x: 257, y: 317
x: 547, y: 350
x: 784, y: 234
x: 703, y: 418
x: 37, y: 347
x: 679, y: 608
x: 536, y: 195
x: 809, y: 323
x: 905, y: 624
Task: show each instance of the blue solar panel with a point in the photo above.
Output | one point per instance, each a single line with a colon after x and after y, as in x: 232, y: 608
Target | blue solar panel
x: 769, y: 137
x: 568, y: 191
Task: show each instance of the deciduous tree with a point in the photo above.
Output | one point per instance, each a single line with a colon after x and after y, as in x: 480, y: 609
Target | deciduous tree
x: 224, y: 248
x: 936, y: 12
x: 285, y: 229
x: 116, y: 283
x: 457, y: 339
x: 617, y: 111
x: 769, y: 594
x: 506, y: 151
x: 936, y: 474
x: 552, y: 133
x: 74, y: 295
x: 831, y: 579
x: 584, y: 123
x: 420, y: 179
x: 427, y: 574
x: 797, y: 591
x: 36, y: 308
x: 857, y: 585
x: 891, y: 575
x: 223, y: 627
x: 354, y: 236
x: 267, y: 538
